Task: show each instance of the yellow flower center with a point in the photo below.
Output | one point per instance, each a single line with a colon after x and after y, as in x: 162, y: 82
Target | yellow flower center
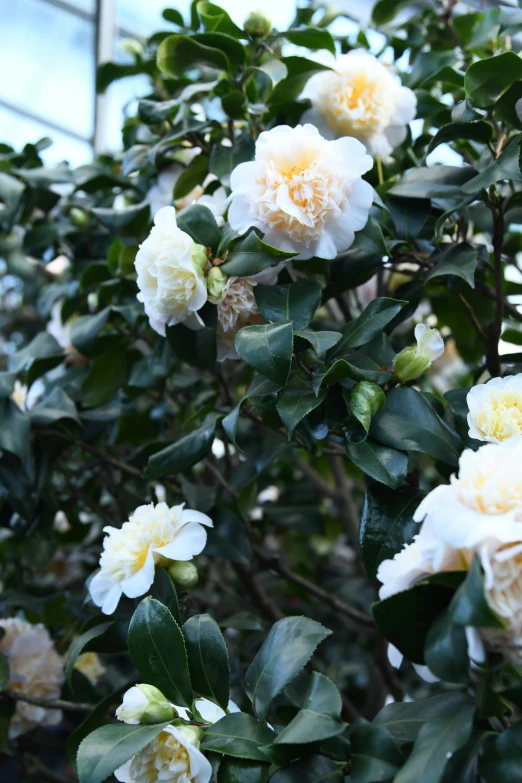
x: 163, y: 759
x: 501, y: 416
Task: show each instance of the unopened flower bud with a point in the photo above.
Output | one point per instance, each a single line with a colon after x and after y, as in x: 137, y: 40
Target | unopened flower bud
x: 191, y: 734
x: 132, y: 46
x: 216, y: 283
x: 199, y: 257
x: 184, y: 573
x: 145, y: 704
x: 78, y: 217
x: 258, y: 25
x: 413, y: 361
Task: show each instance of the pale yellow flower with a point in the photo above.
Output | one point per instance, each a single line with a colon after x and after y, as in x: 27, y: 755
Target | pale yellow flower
x: 495, y: 409
x: 89, y: 664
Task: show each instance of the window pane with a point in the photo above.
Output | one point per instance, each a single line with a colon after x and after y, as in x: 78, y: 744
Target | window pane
x: 18, y: 131
x: 47, y: 63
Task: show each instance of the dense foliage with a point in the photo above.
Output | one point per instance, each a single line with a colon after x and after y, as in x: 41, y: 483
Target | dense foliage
x: 290, y: 355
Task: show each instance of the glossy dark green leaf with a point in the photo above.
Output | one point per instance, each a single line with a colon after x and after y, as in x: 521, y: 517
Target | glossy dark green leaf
x: 366, y: 399
x: 79, y: 643
x: 296, y: 302
x: 299, y: 70
x: 208, y: 659
x: 375, y: 756
x: 223, y: 160
x: 228, y: 539
x: 213, y: 18
x: 446, y: 650
x: 200, y: 224
x: 311, y: 37
x: 506, y: 166
x: 386, y: 465
x: 157, y: 648
x: 178, y: 53
x: 239, y: 735
x: 368, y: 325
x: 387, y: 523
x: 251, y: 255
x: 404, y: 720
x: 311, y: 769
x: 500, y: 762
x: 15, y: 429
x: 41, y: 355
x: 405, y: 618
x: 434, y: 182
x: 163, y: 590
x: 437, y: 740
x: 478, y: 130
x: 357, y: 368
x: 53, y: 407
x: 469, y: 605
x: 286, y: 650
x: 242, y: 771
x: 196, y: 347
x: 86, y: 329
x: 192, y: 176
x: 123, y: 221
x: 259, y: 387
x: 319, y: 717
x: 107, y: 375
x: 486, y: 80
x: 458, y: 260
x: 296, y: 403
x: 185, y: 452
x: 409, y: 422
x: 109, y: 747
x: 321, y: 342
x: 268, y: 349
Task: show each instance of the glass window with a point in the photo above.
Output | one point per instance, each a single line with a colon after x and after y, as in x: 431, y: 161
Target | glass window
x: 49, y: 56
x: 17, y: 131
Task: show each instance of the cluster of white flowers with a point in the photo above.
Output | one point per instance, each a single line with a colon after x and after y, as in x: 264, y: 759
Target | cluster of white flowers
x: 153, y: 534
x: 304, y: 191
x: 35, y: 670
x: 174, y: 754
x: 479, y: 513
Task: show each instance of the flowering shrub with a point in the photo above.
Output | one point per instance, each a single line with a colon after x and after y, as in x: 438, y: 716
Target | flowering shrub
x: 261, y: 407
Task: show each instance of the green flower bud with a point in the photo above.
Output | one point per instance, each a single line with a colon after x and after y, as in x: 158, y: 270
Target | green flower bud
x: 216, y: 282
x: 191, y: 734
x: 145, y: 704
x: 199, y: 257
x: 132, y: 46
x: 258, y: 25
x: 78, y: 217
x: 184, y: 573
x: 410, y: 363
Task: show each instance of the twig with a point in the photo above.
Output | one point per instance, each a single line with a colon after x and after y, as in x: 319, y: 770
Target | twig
x: 96, y: 452
x: 50, y: 704
x: 269, y: 609
x: 495, y: 329
x: 34, y: 766
x: 345, y: 504
x: 317, y: 480
x: 473, y: 318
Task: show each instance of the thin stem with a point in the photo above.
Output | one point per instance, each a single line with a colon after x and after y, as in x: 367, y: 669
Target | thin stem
x: 495, y: 328
x: 473, y: 318
x: 96, y: 452
x: 50, y: 704
x: 379, y: 169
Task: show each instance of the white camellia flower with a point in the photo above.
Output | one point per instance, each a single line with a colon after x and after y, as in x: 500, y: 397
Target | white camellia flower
x: 360, y: 97
x: 413, y: 361
x: 144, y: 704
x: 129, y: 554
x: 495, y: 409
x: 35, y: 669
x: 89, y: 664
x: 303, y: 192
x: 503, y: 584
x: 169, y: 265
x: 173, y: 756
x: 24, y: 397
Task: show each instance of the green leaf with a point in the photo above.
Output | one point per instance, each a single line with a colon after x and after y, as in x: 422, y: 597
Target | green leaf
x: 208, y: 659
x: 366, y: 399
x: 200, y: 224
x: 213, y: 18
x: 506, y: 166
x: 469, y: 605
x: 179, y: 53
x: 404, y: 619
x: 109, y: 747
x: 370, y: 239
x: 446, y: 650
x: 7, y: 383
x: 388, y: 466
x: 296, y: 302
x: 78, y: 645
x: 124, y: 221
x: 409, y: 422
x: 239, y: 735
x: 360, y: 368
x: 387, y: 524
x: 15, y: 429
x: 384, y: 11
x: 321, y: 342
x: 173, y: 16
x: 319, y: 717
x: 86, y: 329
x: 375, y: 756
x: 311, y: 769
x: 478, y: 130
x: 223, y: 160
x: 242, y: 771
x: 230, y: 46
x: 486, y: 80
x: 438, y: 739
x: 93, y: 721
x: 299, y: 70
x: 434, y: 182
x: 312, y: 38
x: 185, y: 452
x: 294, y: 404
x: 368, y: 325
x: 500, y: 762
x: 41, y: 355
x: 195, y: 347
x: 4, y: 671
x: 52, y: 408
x: 192, y: 176
x: 287, y: 649
x: 259, y: 387
x: 268, y: 349
x: 251, y: 255
x: 404, y: 720
x: 458, y: 260
x: 228, y: 539
x: 163, y: 590
x: 157, y: 648
x: 108, y: 373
